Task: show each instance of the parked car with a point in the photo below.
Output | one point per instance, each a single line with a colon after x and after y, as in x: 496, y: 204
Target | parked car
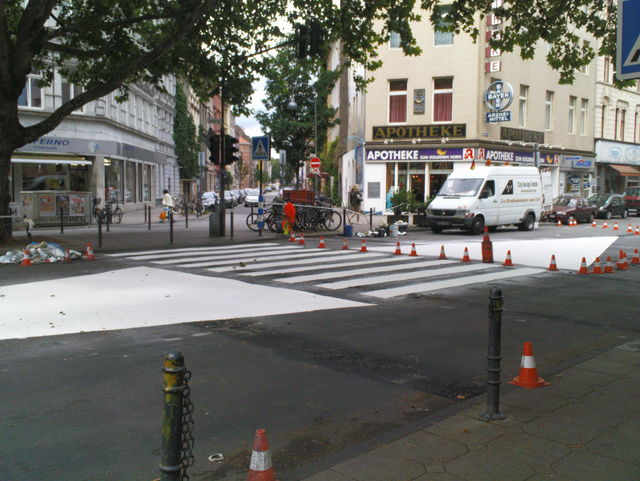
x: 632, y: 199
x: 210, y: 200
x: 251, y: 200
x: 609, y: 205
x: 572, y: 207
x: 238, y: 194
x: 230, y: 200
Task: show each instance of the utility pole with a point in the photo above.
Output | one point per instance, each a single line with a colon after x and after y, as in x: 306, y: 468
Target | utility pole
x: 223, y: 202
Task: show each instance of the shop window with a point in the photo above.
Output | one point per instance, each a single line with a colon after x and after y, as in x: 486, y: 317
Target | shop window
x: 78, y: 178
x: 397, y: 101
x: 572, y: 115
x: 394, y: 40
x: 442, y: 99
x: 146, y: 184
x: 440, y: 35
x: 130, y: 183
x: 31, y: 95
x: 113, y: 180
x: 548, y: 110
x: 44, y: 177
x: 70, y: 91
x: 522, y: 105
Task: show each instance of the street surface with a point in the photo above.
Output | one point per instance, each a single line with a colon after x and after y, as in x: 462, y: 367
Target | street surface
x: 325, y: 348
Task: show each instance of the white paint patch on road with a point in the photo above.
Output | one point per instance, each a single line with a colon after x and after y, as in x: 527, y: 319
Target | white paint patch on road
x: 188, y: 249
x: 366, y: 270
x: 331, y: 256
x: 449, y: 283
x: 219, y: 252
x: 143, y: 297
x: 407, y: 276
x: 535, y: 252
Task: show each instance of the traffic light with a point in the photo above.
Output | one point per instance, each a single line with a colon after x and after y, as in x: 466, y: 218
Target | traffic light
x: 214, y: 148
x: 230, y: 149
x: 302, y: 37
x: 309, y: 38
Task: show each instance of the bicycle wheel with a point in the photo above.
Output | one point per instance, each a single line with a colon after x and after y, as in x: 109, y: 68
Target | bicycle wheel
x: 116, y: 217
x: 198, y: 209
x: 252, y: 222
x: 332, y: 221
x: 274, y: 222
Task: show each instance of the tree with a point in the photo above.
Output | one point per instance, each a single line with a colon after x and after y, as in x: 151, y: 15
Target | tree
x: 105, y: 45
x: 184, y: 137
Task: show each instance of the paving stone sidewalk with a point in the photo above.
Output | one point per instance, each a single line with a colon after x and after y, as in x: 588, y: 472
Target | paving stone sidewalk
x: 583, y: 427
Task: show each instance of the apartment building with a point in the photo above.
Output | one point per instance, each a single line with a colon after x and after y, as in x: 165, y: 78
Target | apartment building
x: 106, y: 150
x: 461, y: 102
x: 617, y: 131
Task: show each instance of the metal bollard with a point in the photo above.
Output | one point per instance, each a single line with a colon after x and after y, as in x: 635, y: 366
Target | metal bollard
x: 108, y: 217
x: 370, y: 218
x: 171, y: 227
x: 186, y: 216
x: 231, y: 226
x: 173, y: 371
x: 149, y: 219
x: 61, y: 220
x: 494, y: 356
x: 145, y: 214
x: 99, y: 232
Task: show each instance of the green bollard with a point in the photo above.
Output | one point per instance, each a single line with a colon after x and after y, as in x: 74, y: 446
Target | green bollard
x: 173, y: 386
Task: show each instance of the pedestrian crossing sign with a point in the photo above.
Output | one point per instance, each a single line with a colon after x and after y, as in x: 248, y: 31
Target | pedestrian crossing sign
x: 628, y: 40
x: 260, y: 148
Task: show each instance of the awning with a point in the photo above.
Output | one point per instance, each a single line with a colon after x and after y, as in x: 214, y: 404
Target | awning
x: 626, y: 170
x: 67, y: 161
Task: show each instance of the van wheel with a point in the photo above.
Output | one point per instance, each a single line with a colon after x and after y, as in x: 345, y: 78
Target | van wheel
x: 477, y: 227
x: 436, y: 229
x: 528, y: 223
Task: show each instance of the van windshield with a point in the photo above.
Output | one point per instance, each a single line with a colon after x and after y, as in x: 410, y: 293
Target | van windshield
x: 461, y: 187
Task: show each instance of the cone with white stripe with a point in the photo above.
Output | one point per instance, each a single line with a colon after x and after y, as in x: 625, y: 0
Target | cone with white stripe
x: 26, y: 260
x: 292, y: 237
x: 605, y: 226
x: 622, y: 264
x: 465, y: 256
x: 261, y: 467
x: 345, y: 245
x: 301, y: 240
x: 508, y: 262
x: 397, y: 252
x: 636, y: 258
x: 528, y: 377
x: 597, y: 267
x: 363, y: 247
x: 629, y: 229
x: 559, y: 223
x: 321, y: 244
x: 88, y: 253
x: 552, y: 265
x: 442, y: 254
x: 583, y: 267
x: 615, y: 226
x: 593, y: 224
x: 637, y: 231
x: 413, y: 252
x: 608, y: 268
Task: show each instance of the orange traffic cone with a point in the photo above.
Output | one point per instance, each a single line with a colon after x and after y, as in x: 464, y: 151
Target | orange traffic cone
x: 507, y: 262
x: 635, y: 259
x: 608, y: 269
x: 552, y: 264
x: 629, y: 229
x: 363, y: 247
x: 593, y: 224
x: 292, y: 237
x: 88, y: 253
x: 621, y: 265
x: 26, y: 261
x: 442, y: 254
x: 261, y: 467
x: 397, y: 252
x: 597, y: 266
x: 572, y: 223
x: 615, y: 226
x: 528, y: 377
x: 413, y: 252
x: 465, y: 256
x: 321, y: 244
x: 583, y: 267
x: 559, y: 223
x: 301, y: 240
x: 605, y: 226
x: 637, y: 231
x: 67, y: 255
x: 345, y: 245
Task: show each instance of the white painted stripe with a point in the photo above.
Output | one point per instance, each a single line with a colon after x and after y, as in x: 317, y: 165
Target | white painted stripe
x: 386, y: 259
x: 528, y: 362
x: 228, y: 251
x: 189, y: 249
x: 249, y: 259
x: 368, y: 270
x: 448, y: 283
x: 260, y: 461
x: 407, y: 276
x: 265, y: 265
x: 228, y: 255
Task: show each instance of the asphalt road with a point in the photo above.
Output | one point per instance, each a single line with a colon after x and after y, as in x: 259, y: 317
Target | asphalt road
x: 324, y: 384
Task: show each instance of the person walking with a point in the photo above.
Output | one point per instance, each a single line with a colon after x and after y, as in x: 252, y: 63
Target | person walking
x: 167, y: 205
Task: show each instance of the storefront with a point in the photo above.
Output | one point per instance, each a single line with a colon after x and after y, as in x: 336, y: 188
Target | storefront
x: 578, y: 175
x: 618, y: 166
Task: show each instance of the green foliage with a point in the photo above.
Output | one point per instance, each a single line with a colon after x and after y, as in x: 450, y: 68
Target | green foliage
x: 275, y: 170
x: 257, y: 173
x: 184, y: 136
x: 227, y: 179
x: 405, y: 200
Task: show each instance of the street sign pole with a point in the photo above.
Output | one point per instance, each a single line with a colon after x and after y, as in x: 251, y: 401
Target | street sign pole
x: 260, y: 151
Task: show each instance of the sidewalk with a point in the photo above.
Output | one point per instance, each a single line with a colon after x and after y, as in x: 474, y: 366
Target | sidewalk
x: 584, y: 426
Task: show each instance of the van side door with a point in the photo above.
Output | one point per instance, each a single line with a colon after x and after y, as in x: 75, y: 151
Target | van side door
x: 488, y: 203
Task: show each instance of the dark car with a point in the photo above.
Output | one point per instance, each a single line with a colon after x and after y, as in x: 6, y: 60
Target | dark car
x: 572, y: 207
x: 632, y: 199
x: 609, y: 205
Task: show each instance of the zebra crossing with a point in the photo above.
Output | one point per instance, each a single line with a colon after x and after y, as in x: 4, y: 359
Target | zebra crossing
x: 375, y: 274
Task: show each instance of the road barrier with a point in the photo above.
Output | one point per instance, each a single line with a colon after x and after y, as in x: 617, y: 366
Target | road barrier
x: 494, y: 356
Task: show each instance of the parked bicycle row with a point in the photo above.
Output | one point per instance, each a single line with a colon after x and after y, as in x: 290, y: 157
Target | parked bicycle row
x: 308, y: 218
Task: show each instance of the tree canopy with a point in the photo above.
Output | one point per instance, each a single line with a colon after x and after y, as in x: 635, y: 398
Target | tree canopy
x: 185, y: 137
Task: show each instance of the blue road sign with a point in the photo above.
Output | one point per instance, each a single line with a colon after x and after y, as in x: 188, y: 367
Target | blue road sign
x: 260, y: 148
x: 628, y: 40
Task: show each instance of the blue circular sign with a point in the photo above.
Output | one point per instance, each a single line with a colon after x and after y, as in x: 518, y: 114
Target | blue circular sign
x: 498, y: 95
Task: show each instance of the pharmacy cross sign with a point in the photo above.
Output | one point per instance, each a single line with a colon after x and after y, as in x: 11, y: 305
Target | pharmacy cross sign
x: 628, y: 40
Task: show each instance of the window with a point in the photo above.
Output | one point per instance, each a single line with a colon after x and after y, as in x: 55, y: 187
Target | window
x: 583, y: 116
x: 397, y: 101
x: 31, y: 95
x: 130, y: 190
x: 70, y: 91
x: 442, y: 99
x: 603, y: 119
x: 522, y: 105
x: 623, y: 117
x: 572, y: 115
x: 635, y: 127
x: 615, y: 124
x: 585, y: 46
x: 548, y: 111
x: 394, y: 40
x: 606, y: 69
x: 508, y: 189
x: 440, y: 35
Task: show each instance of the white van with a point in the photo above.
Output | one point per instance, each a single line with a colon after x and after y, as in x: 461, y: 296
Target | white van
x: 492, y: 196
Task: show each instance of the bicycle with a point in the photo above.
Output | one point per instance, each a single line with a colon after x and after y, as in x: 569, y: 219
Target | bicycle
x: 109, y: 213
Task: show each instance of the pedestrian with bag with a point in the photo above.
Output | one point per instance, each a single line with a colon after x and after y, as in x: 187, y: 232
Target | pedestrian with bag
x: 167, y: 205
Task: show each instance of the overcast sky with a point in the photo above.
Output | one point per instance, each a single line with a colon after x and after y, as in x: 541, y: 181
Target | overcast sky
x: 250, y: 124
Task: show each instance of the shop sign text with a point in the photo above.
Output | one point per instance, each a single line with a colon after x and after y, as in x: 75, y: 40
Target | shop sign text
x: 453, y: 131
x: 413, y: 155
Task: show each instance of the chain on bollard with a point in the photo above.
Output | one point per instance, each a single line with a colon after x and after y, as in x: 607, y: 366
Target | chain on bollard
x: 494, y: 356
x: 177, y: 422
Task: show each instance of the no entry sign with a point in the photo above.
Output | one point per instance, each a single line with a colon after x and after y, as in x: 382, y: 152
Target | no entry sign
x: 315, y: 163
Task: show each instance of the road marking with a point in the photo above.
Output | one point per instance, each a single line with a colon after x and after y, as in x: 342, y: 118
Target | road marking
x: 406, y: 276
x: 368, y: 270
x: 330, y: 255
x: 232, y: 255
x: 187, y: 249
x: 324, y: 266
x: 229, y: 251
x: 447, y: 283
x: 249, y: 259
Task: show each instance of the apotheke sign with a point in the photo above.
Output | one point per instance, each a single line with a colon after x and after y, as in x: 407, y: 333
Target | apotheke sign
x: 412, y: 155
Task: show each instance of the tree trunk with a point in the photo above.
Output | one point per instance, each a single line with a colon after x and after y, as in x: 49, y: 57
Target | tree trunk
x: 5, y: 195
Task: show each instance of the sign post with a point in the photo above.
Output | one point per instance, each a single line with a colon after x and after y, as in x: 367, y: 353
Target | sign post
x: 260, y: 148
x: 628, y: 40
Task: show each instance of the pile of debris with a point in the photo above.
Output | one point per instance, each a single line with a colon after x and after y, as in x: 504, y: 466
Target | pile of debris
x: 42, y: 253
x: 394, y: 230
